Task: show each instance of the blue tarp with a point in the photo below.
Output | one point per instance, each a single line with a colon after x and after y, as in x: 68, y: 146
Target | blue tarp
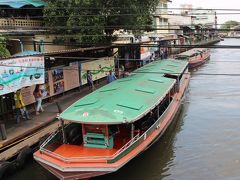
x: 26, y: 53
x: 21, y: 3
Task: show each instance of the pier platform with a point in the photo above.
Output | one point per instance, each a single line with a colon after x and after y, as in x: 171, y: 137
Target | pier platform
x: 29, y: 132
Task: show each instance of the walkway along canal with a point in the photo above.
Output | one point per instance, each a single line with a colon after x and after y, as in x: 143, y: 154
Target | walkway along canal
x: 204, y: 141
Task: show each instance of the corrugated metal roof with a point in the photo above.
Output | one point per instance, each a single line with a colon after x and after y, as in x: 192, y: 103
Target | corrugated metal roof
x: 125, y: 101
x: 21, y: 3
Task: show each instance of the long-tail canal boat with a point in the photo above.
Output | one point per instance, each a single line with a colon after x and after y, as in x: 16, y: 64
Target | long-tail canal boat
x: 103, y: 131
x: 196, y: 56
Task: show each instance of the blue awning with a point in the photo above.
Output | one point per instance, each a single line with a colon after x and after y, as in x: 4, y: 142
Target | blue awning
x: 21, y: 3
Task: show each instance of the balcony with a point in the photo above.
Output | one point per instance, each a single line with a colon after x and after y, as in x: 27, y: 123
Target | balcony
x: 12, y: 23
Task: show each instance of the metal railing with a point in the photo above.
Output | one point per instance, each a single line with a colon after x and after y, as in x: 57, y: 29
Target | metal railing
x: 43, y: 149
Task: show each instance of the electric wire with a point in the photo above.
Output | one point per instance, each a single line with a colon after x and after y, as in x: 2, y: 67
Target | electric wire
x: 120, y: 8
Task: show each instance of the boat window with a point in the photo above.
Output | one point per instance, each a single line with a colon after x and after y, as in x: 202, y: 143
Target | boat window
x: 143, y: 124
x: 74, y: 134
x: 164, y: 105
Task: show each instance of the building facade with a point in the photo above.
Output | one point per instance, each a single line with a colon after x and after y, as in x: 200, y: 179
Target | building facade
x: 160, y: 18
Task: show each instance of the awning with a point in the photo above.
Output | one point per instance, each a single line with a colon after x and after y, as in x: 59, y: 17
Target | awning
x: 27, y: 53
x: 21, y: 3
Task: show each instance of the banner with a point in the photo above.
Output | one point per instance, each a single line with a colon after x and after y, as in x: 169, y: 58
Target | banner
x: 20, y: 72
x: 99, y: 68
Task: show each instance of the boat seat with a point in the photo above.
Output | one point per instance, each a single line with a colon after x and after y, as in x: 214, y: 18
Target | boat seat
x: 96, y: 140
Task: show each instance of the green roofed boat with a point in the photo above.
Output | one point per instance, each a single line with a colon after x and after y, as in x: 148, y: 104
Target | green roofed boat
x: 107, y: 128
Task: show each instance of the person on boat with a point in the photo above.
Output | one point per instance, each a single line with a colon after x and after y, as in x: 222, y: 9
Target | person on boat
x: 20, y: 107
x: 111, y: 77
x: 165, y: 53
x: 37, y: 93
x: 90, y: 81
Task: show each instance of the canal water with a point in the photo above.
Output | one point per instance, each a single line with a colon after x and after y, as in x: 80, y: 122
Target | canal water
x: 203, y: 143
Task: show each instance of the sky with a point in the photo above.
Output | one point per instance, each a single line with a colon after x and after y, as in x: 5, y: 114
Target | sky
x: 212, y: 4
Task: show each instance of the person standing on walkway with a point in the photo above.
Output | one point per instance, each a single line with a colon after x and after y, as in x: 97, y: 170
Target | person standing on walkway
x: 161, y: 54
x: 20, y: 107
x: 165, y: 53
x: 123, y: 71
x: 37, y: 93
x: 90, y: 81
x: 111, y: 77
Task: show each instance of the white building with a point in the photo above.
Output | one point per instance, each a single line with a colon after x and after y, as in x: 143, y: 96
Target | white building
x: 204, y: 17
x: 207, y: 18
x: 177, y: 22
x: 160, y: 18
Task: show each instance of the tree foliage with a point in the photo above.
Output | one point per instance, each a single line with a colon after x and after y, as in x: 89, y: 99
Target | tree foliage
x: 229, y: 24
x: 94, y: 21
x: 4, y: 53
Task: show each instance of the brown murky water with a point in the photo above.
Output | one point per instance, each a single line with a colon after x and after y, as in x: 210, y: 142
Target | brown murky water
x: 204, y: 142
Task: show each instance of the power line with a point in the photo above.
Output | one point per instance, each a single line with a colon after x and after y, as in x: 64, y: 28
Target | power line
x: 123, y: 14
x: 137, y: 44
x: 116, y: 15
x: 135, y: 25
x: 121, y: 8
x: 151, y: 27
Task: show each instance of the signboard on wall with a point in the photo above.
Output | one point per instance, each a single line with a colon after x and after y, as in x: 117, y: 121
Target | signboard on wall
x: 20, y: 72
x: 145, y: 53
x: 99, y: 68
x: 58, y: 80
x: 71, y: 76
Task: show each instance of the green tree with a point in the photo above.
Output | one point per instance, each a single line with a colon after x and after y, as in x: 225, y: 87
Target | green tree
x: 4, y: 53
x: 229, y: 24
x: 94, y: 21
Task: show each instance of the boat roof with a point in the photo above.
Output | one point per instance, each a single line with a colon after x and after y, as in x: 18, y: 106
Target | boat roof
x: 126, y: 100
x: 170, y: 66
x: 191, y: 52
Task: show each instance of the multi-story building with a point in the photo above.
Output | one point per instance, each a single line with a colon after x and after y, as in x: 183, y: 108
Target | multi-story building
x: 22, y: 22
x: 160, y: 18
x: 204, y: 17
x: 207, y: 18
x: 178, y: 22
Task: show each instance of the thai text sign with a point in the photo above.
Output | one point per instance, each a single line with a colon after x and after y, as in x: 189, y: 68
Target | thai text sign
x: 20, y: 72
